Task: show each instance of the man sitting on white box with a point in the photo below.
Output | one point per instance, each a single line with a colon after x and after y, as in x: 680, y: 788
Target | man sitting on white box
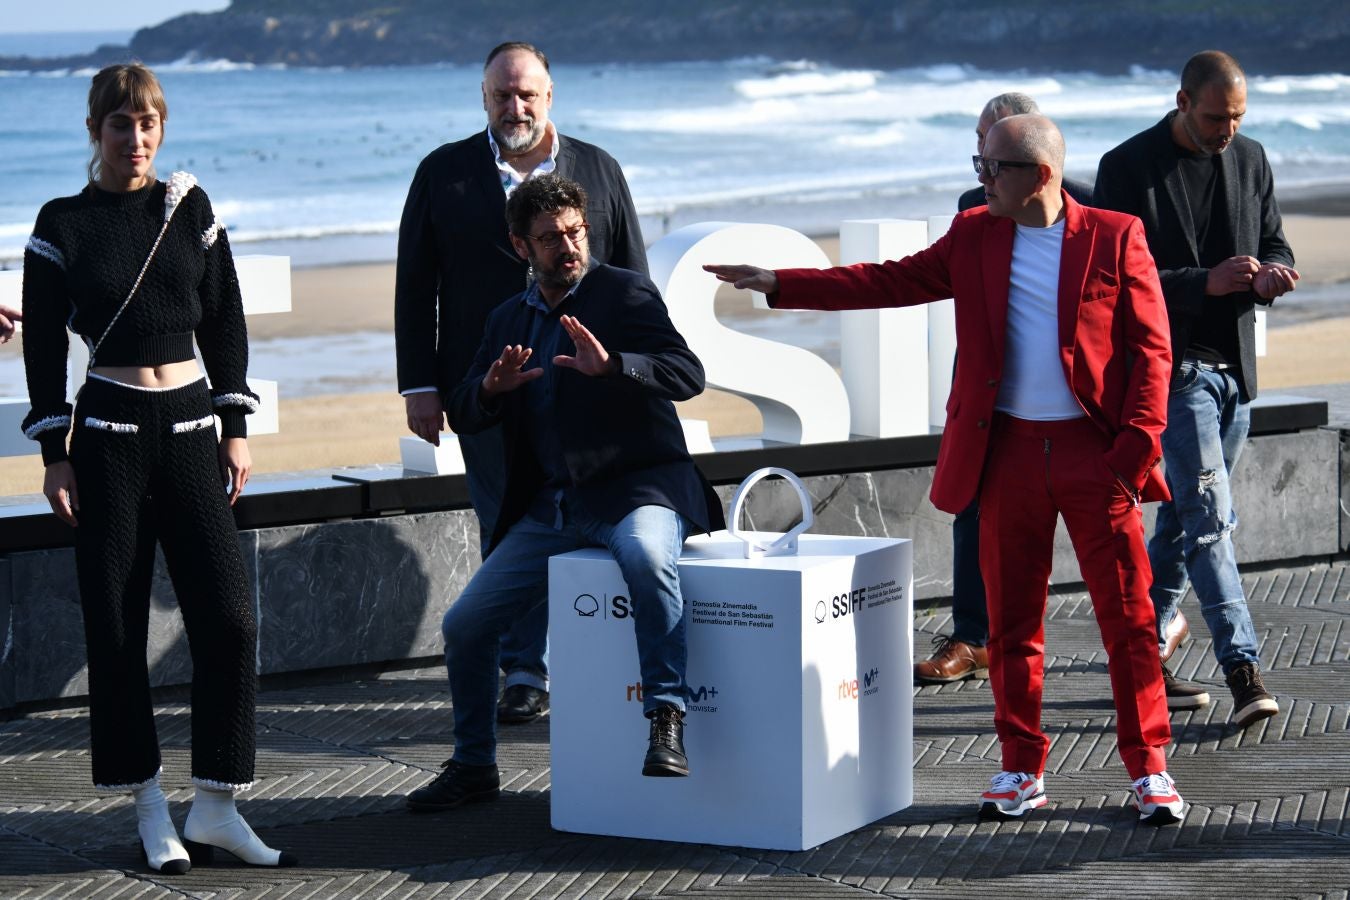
x: 595, y: 458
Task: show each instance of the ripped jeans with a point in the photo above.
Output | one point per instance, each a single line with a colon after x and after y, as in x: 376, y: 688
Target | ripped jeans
x: 1192, y: 542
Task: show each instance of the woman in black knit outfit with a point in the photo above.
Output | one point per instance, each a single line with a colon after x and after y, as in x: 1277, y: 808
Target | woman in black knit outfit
x: 137, y: 267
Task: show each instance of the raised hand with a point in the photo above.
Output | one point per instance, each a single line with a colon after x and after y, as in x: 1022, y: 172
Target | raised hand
x: 505, y: 375
x: 592, y: 358
x: 749, y: 278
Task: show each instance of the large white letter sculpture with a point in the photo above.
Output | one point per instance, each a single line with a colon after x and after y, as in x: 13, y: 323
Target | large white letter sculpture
x: 800, y: 397
x: 885, y: 351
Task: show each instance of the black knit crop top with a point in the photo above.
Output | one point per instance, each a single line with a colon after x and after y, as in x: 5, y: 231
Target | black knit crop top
x: 80, y: 263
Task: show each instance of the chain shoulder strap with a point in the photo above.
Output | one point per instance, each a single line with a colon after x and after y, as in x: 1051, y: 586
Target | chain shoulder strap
x: 179, y: 184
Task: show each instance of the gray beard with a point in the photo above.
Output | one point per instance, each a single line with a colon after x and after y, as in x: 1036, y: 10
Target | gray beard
x: 518, y: 142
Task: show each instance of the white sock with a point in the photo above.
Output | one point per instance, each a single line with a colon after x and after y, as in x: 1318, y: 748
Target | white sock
x: 214, y: 820
x: 158, y: 835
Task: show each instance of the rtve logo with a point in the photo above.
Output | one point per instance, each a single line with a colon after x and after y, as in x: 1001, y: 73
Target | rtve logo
x: 616, y: 607
x: 703, y: 694
x: 871, y: 683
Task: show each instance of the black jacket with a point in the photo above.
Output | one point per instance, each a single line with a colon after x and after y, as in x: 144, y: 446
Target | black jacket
x: 622, y: 442
x: 1140, y: 177
x: 455, y: 260
x: 1078, y: 190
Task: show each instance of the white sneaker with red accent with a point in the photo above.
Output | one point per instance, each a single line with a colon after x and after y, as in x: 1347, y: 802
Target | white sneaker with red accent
x: 1011, y: 794
x: 1156, y: 798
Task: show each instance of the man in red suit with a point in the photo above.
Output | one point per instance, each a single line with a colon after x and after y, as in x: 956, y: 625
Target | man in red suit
x: 1058, y: 401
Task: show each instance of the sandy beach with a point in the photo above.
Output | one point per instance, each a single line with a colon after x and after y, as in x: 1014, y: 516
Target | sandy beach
x: 363, y: 428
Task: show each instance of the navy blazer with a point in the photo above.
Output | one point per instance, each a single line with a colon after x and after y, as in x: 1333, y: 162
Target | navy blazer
x: 455, y: 259
x: 622, y: 441
x: 1140, y: 177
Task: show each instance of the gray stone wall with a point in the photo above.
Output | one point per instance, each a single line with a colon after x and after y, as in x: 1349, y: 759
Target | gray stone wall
x: 373, y: 590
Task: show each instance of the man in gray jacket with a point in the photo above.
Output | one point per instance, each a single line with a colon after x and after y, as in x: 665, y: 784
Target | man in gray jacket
x: 1207, y: 199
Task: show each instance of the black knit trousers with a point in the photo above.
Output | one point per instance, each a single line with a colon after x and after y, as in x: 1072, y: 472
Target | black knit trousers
x: 146, y: 469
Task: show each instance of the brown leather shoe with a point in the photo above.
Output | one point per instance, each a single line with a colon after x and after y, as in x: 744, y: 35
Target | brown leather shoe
x: 1177, y: 631
x: 952, y: 660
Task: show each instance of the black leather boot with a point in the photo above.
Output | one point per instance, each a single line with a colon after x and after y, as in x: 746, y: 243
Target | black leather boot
x: 665, y: 748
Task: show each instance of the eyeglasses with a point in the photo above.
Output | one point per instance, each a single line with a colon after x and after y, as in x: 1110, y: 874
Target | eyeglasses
x: 550, y: 240
x: 991, y: 167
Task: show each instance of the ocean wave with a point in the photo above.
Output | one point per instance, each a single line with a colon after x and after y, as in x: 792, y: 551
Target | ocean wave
x: 194, y: 63
x: 311, y: 232
x: 844, y: 185
x: 796, y: 84
x: 1288, y: 84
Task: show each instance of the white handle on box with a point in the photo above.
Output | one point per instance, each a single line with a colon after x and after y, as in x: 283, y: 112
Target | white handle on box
x: 785, y: 544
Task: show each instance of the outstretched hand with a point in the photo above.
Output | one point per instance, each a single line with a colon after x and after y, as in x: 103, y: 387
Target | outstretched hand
x: 505, y: 374
x: 592, y: 358
x: 9, y: 316
x: 748, y: 278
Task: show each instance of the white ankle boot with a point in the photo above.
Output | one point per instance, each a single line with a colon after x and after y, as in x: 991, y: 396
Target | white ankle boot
x: 214, y: 822
x: 160, y: 847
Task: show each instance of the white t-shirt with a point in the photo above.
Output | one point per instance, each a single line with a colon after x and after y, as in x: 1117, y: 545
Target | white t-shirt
x: 1033, y: 384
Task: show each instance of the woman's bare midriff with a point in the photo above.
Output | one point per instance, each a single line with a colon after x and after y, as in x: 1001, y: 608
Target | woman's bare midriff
x: 166, y: 376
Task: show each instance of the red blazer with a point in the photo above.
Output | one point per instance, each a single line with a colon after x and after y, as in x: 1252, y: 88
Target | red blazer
x: 1113, y: 335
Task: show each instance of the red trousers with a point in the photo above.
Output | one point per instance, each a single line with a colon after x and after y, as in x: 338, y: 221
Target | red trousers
x: 1036, y: 471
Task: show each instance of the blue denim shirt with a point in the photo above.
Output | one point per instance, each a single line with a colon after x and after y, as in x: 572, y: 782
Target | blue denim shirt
x: 546, y: 336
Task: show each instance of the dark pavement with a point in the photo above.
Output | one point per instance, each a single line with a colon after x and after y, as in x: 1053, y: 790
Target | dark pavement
x: 1268, y: 813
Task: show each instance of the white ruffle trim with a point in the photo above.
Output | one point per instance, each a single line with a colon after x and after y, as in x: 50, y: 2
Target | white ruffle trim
x: 47, y: 251
x: 47, y: 424
x: 179, y: 185
x: 212, y: 785
x: 243, y: 400
x: 194, y: 425
x: 209, y: 235
x: 123, y: 788
x: 104, y: 425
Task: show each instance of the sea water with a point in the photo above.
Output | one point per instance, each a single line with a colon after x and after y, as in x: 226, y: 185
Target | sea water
x: 315, y: 163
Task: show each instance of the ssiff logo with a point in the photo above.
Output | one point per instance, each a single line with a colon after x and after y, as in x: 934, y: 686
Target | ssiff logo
x: 841, y: 605
x: 849, y: 689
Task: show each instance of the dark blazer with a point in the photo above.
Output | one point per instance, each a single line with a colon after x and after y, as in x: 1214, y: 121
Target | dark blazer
x: 1140, y: 177
x: 1112, y: 334
x: 455, y: 259
x: 1078, y: 190
x: 622, y: 442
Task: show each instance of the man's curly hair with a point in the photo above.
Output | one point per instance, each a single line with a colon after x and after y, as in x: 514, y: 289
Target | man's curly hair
x: 542, y: 194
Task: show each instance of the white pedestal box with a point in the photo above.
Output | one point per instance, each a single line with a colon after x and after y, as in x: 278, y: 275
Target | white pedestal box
x: 800, y: 723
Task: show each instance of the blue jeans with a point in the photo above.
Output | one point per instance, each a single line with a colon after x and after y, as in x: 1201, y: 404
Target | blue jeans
x: 524, y: 647
x: 513, y: 580
x: 970, y: 613
x: 1207, y: 424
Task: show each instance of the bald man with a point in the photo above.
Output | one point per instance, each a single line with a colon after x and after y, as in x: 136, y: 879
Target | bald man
x: 1056, y: 408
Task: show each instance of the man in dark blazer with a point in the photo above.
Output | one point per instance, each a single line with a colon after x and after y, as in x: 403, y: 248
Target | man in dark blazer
x: 1056, y: 408
x: 456, y: 263
x: 1207, y: 199
x: 963, y: 654
x: 580, y: 370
